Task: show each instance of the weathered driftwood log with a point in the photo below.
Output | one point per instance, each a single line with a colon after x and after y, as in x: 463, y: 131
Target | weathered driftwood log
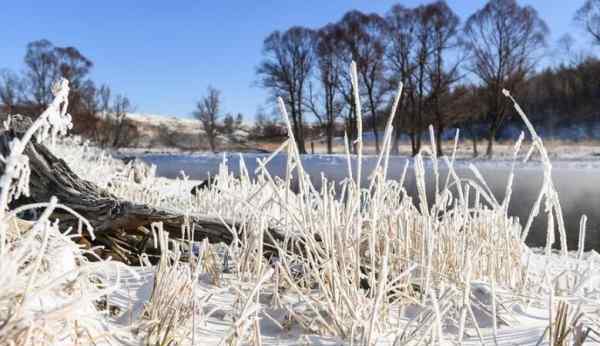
x: 118, y: 224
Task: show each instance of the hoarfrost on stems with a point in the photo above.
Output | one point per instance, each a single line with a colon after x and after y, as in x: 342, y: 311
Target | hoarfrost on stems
x: 54, y: 121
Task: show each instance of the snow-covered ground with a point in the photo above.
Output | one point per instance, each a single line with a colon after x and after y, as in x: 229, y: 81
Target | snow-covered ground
x: 522, y: 323
x: 371, y: 256
x: 522, y: 312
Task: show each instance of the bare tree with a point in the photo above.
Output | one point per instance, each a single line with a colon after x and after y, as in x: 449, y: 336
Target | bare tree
x: 103, y: 98
x: 468, y: 111
x: 44, y: 64
x: 41, y: 71
x: 442, y: 75
x: 329, y: 68
x: 285, y: 71
x: 89, y: 108
x: 419, y: 95
x: 362, y: 36
x: 228, y: 124
x: 401, y: 26
x: 344, y: 86
x: 503, y: 39
x: 11, y: 91
x: 120, y: 109
x: 95, y: 114
x: 588, y: 15
x: 72, y: 65
x: 101, y: 108
x: 564, y: 52
x: 208, y: 112
x: 111, y: 125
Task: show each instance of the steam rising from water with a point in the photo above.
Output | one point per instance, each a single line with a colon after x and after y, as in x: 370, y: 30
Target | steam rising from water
x: 578, y: 186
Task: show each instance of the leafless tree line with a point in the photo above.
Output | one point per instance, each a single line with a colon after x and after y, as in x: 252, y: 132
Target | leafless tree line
x: 97, y: 115
x: 453, y: 73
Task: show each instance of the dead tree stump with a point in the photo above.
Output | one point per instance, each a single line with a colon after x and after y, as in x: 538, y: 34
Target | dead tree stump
x: 118, y: 224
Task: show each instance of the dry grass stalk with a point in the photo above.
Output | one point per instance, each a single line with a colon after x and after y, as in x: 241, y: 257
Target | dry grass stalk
x: 48, y: 289
x: 168, y: 313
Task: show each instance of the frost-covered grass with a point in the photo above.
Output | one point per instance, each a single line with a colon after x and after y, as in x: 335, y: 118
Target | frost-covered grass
x: 49, y: 290
x: 361, y: 265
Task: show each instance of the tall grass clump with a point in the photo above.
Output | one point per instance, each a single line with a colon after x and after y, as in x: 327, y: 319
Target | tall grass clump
x: 48, y: 288
x: 368, y: 262
x: 376, y: 250
x: 169, y: 311
x: 362, y: 260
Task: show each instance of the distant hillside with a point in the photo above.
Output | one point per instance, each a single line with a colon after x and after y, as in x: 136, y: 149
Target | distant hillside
x: 158, y: 131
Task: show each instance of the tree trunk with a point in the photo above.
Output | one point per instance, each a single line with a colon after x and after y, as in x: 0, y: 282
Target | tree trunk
x: 413, y: 143
x: 211, y: 142
x: 351, y: 129
x: 397, y: 127
x: 329, y: 138
x: 475, y: 151
x: 396, y: 142
x: 374, y: 122
x: 299, y: 135
x: 117, y: 223
x: 301, y: 145
x: 417, y: 147
x: 438, y: 140
x: 490, y: 146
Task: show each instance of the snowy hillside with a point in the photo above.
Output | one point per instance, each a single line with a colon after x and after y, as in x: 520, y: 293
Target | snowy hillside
x: 179, y: 132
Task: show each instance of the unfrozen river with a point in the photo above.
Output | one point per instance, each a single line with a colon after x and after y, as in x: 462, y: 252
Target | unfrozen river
x: 578, y: 183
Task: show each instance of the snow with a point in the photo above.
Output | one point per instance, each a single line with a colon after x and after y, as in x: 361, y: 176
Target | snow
x: 439, y: 268
x: 526, y: 322
x: 163, y: 119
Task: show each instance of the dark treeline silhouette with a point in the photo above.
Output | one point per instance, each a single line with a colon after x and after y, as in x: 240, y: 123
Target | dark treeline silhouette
x: 453, y: 73
x: 565, y: 96
x: 97, y: 115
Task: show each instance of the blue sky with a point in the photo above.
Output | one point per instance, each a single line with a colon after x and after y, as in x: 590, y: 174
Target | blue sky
x: 163, y: 54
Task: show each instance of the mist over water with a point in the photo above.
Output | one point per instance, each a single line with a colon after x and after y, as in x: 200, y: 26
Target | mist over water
x: 578, y: 185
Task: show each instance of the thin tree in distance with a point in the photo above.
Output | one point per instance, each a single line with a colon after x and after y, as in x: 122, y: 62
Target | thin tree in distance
x: 121, y: 108
x: 400, y: 25
x: 208, y: 112
x: 11, y: 91
x: 285, y: 71
x: 95, y: 103
x: 362, y: 36
x: 503, y: 39
x: 112, y: 125
x: 329, y: 69
x: 442, y: 75
x: 423, y: 50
